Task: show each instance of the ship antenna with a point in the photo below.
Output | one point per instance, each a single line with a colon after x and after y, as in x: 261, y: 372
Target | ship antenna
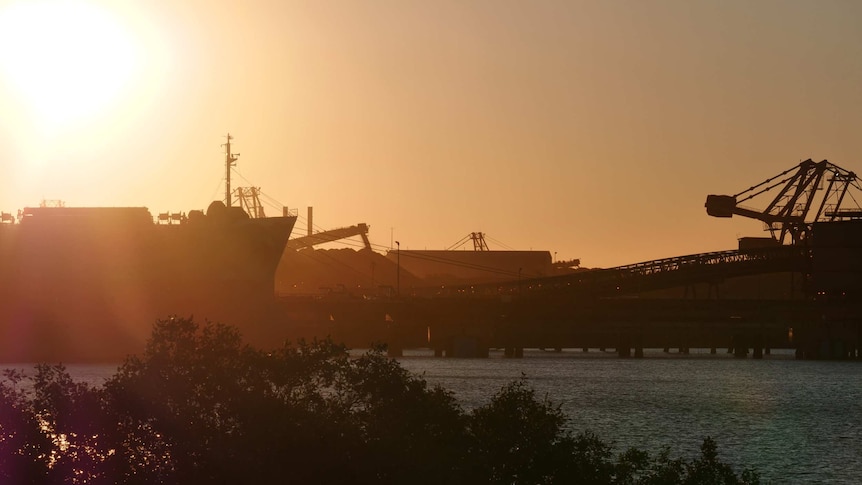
x: 229, y: 161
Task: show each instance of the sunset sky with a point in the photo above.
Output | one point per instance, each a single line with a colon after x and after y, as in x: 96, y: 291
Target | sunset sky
x: 591, y: 129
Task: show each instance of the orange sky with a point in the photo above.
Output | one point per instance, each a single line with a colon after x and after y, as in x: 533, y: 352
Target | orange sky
x: 593, y: 129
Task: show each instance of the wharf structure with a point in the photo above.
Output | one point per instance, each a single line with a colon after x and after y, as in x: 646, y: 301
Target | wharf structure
x: 608, y: 309
x: 814, y: 255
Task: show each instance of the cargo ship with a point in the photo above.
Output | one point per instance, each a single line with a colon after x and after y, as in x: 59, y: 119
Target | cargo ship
x: 85, y: 284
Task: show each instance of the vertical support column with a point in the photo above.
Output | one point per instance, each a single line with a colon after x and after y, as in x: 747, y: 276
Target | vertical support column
x: 740, y: 346
x: 514, y: 352
x: 858, y: 341
x: 624, y: 348
x: 757, y: 347
x: 683, y: 340
x: 639, y: 345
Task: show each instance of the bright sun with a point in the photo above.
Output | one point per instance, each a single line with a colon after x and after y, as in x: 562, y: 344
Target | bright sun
x: 67, y: 60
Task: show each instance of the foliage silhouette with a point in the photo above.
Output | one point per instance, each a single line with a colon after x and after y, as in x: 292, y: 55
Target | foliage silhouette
x: 199, y: 406
x: 24, y: 448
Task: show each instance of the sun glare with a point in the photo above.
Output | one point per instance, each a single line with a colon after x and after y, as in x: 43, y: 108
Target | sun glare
x: 66, y: 60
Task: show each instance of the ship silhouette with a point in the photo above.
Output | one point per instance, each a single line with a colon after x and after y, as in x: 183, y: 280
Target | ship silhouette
x: 86, y: 284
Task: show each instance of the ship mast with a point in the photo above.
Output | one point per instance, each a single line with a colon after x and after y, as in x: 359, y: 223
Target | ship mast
x: 229, y: 161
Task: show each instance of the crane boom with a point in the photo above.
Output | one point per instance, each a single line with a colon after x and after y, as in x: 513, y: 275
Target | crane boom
x: 789, y: 214
x: 330, y: 236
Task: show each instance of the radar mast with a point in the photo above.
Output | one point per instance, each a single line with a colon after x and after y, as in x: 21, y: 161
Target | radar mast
x: 229, y: 161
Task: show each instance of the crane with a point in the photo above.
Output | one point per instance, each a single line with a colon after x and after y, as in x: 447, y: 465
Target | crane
x: 808, y: 193
x: 478, y: 239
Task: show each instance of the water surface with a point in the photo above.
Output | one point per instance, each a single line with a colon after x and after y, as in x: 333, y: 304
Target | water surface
x: 794, y: 421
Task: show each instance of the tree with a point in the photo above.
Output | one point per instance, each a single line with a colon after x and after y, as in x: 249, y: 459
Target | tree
x: 216, y: 410
x: 518, y: 438
x: 409, y: 432
x: 24, y: 448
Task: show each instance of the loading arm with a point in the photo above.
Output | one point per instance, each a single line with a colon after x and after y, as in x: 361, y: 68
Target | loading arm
x: 331, y: 235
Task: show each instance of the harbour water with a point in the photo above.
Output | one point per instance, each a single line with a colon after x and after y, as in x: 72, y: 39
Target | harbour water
x: 793, y: 421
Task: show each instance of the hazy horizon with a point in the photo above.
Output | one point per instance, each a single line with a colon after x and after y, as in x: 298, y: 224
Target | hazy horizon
x: 591, y: 129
